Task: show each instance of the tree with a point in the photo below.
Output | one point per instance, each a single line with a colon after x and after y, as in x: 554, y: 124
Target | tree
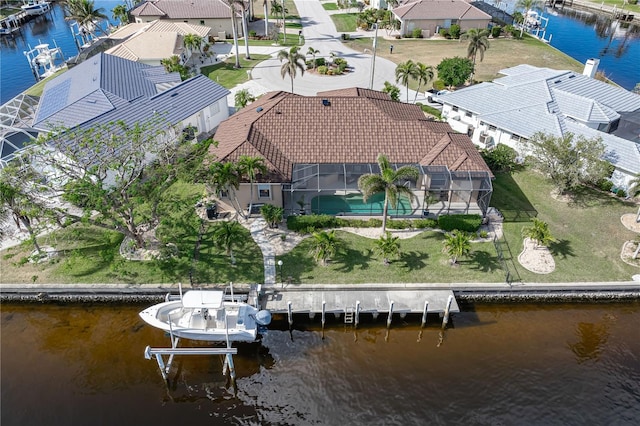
x: 192, y: 42
x: 634, y: 186
x: 567, y: 160
x: 266, y: 17
x: 242, y: 98
x: 389, y: 181
x: 226, y: 177
x: 324, y: 246
x: 173, y: 64
x: 424, y: 74
x: 538, y: 233
x: 456, y: 244
x: 85, y: 14
x: 388, y: 246
x: 120, y: 13
x: 636, y: 89
x: 392, y: 90
x: 234, y: 27
x: 527, y: 5
x: 251, y: 167
x: 405, y: 71
x: 500, y: 159
x: 478, y: 44
x: 245, y: 26
x: 454, y: 71
x: 272, y: 214
x: 293, y: 61
x: 114, y: 172
x: 227, y: 234
x: 313, y: 52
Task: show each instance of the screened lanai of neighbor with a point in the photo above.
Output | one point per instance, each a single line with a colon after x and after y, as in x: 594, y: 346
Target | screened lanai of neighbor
x: 333, y: 189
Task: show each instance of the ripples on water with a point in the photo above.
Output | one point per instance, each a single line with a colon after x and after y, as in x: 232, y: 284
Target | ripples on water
x: 560, y: 364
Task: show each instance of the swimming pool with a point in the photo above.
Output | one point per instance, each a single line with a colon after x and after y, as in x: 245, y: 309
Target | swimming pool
x: 353, y: 204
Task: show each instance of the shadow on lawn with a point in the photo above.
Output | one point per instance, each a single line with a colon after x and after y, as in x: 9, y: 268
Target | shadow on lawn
x: 561, y: 248
x: 588, y: 197
x: 350, y: 259
x: 413, y: 260
x: 483, y: 261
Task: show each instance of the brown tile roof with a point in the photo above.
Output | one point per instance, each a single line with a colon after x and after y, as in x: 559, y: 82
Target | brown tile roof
x: 439, y: 9
x: 183, y: 9
x: 356, y: 91
x: 287, y: 129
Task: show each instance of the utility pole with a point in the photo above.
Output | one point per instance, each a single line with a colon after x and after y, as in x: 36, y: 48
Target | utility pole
x: 373, y: 57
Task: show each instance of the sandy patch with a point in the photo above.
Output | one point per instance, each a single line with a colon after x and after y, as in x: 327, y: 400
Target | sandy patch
x: 564, y: 198
x: 283, y: 240
x: 628, y: 248
x: 629, y: 222
x: 375, y: 233
x: 536, y: 259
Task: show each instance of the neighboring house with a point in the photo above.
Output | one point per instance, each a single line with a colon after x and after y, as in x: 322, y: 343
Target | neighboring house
x: 432, y: 15
x: 106, y: 88
x: 531, y: 99
x: 317, y: 147
x: 149, y: 43
x: 214, y: 14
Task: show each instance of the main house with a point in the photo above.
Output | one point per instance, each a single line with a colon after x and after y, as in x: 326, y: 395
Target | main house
x: 432, y: 15
x: 316, y: 148
x: 106, y: 88
x: 530, y: 99
x: 215, y: 14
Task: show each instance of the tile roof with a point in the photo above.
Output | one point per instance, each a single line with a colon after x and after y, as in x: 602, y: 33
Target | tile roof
x: 183, y: 9
x: 149, y: 46
x: 439, y: 9
x: 287, y: 129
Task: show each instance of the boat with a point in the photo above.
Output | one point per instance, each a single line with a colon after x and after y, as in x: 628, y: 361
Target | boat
x: 207, y: 315
x: 44, y: 61
x: 36, y: 7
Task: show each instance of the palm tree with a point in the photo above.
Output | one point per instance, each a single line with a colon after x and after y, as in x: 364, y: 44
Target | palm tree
x: 276, y: 9
x: 245, y: 26
x: 539, y: 233
x: 457, y: 244
x: 478, y: 43
x: 173, y: 64
x: 226, y: 177
x: 192, y: 42
x: 313, y: 52
x: 234, y: 30
x: 389, y: 181
x: 85, y: 14
x: 392, y: 90
x: 527, y: 5
x: 242, y: 98
x: 324, y: 246
x: 388, y: 246
x: 424, y: 74
x: 250, y: 167
x: 404, y: 72
x: 227, y: 234
x: 266, y: 17
x: 272, y: 214
x: 120, y: 13
x: 293, y: 60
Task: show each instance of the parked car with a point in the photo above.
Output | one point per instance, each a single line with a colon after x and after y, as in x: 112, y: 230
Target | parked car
x: 435, y: 97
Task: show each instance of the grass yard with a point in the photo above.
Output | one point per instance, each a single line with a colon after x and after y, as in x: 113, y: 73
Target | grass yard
x: 330, y: 6
x: 227, y: 75
x: 502, y: 53
x: 620, y: 4
x: 292, y: 40
x: 91, y: 255
x: 345, y: 22
x: 38, y: 88
x: 422, y: 260
x: 588, y: 229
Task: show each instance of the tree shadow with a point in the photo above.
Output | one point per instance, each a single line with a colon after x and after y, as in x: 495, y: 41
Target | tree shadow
x: 585, y: 196
x: 561, y: 248
x: 483, y: 261
x: 350, y: 259
x: 413, y: 260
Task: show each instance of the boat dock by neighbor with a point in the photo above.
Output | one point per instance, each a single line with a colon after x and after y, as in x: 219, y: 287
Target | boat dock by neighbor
x: 352, y: 302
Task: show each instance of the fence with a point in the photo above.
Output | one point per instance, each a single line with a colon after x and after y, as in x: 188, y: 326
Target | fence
x: 518, y: 215
x: 505, y: 256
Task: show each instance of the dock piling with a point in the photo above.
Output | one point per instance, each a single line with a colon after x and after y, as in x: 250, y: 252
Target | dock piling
x: 445, y: 319
x: 357, y: 312
x: 424, y: 313
x: 324, y: 309
x: 289, y: 314
x: 390, y: 314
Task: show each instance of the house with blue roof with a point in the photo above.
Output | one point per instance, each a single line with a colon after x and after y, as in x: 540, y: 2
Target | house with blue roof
x: 107, y: 88
x: 529, y: 99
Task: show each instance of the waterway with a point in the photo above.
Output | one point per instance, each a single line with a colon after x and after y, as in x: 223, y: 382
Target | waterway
x: 564, y: 364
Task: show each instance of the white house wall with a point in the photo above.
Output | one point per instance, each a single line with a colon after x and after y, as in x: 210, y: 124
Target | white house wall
x: 210, y: 117
x: 216, y: 24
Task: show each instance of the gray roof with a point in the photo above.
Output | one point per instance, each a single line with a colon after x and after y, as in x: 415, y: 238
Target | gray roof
x: 106, y: 88
x: 183, y: 9
x: 439, y: 9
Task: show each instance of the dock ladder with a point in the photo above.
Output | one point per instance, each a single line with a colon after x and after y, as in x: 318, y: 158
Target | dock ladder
x: 348, y: 315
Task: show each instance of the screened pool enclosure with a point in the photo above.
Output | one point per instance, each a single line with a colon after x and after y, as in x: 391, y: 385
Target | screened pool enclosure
x: 333, y: 189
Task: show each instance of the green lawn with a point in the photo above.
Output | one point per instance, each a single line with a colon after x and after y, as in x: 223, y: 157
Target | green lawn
x: 38, y: 88
x: 227, y: 75
x: 588, y: 229
x: 422, y: 260
x: 330, y: 6
x: 345, y: 22
x: 292, y: 40
x: 620, y: 4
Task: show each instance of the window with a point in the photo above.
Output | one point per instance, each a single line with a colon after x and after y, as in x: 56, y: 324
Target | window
x: 455, y: 108
x: 201, y: 22
x: 492, y: 128
x: 214, y: 108
x: 264, y: 191
x: 224, y: 194
x: 467, y: 114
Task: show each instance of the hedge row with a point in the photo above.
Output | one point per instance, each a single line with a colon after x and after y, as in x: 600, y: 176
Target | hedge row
x: 309, y: 223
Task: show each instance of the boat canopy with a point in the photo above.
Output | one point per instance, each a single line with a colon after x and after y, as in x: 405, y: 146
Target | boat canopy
x: 203, y: 299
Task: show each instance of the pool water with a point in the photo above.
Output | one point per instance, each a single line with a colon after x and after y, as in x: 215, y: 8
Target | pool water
x: 353, y: 204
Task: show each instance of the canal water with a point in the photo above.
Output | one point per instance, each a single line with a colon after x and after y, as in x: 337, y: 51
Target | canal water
x: 496, y: 364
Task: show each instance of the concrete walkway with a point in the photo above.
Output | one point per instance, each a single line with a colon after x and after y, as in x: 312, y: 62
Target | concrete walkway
x: 257, y: 227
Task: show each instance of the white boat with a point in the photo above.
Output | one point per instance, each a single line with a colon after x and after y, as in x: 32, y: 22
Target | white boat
x: 36, y: 7
x: 206, y: 315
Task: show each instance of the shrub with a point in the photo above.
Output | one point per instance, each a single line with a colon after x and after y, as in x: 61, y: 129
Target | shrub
x: 454, y: 31
x: 438, y: 85
x: 416, y: 33
x: 461, y: 222
x: 313, y: 222
x: 605, y: 185
x: 633, y: 1
x: 341, y: 68
x: 320, y: 62
x: 444, y: 33
x: 483, y: 234
x: 344, y: 36
x: 495, y: 31
x: 252, y: 33
x: 501, y: 158
x: 322, y: 70
x: 399, y: 224
x: 621, y: 193
x: 398, y: 36
x: 338, y: 61
x: 425, y: 223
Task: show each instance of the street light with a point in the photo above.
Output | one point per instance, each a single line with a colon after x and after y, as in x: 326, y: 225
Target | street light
x: 280, y: 265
